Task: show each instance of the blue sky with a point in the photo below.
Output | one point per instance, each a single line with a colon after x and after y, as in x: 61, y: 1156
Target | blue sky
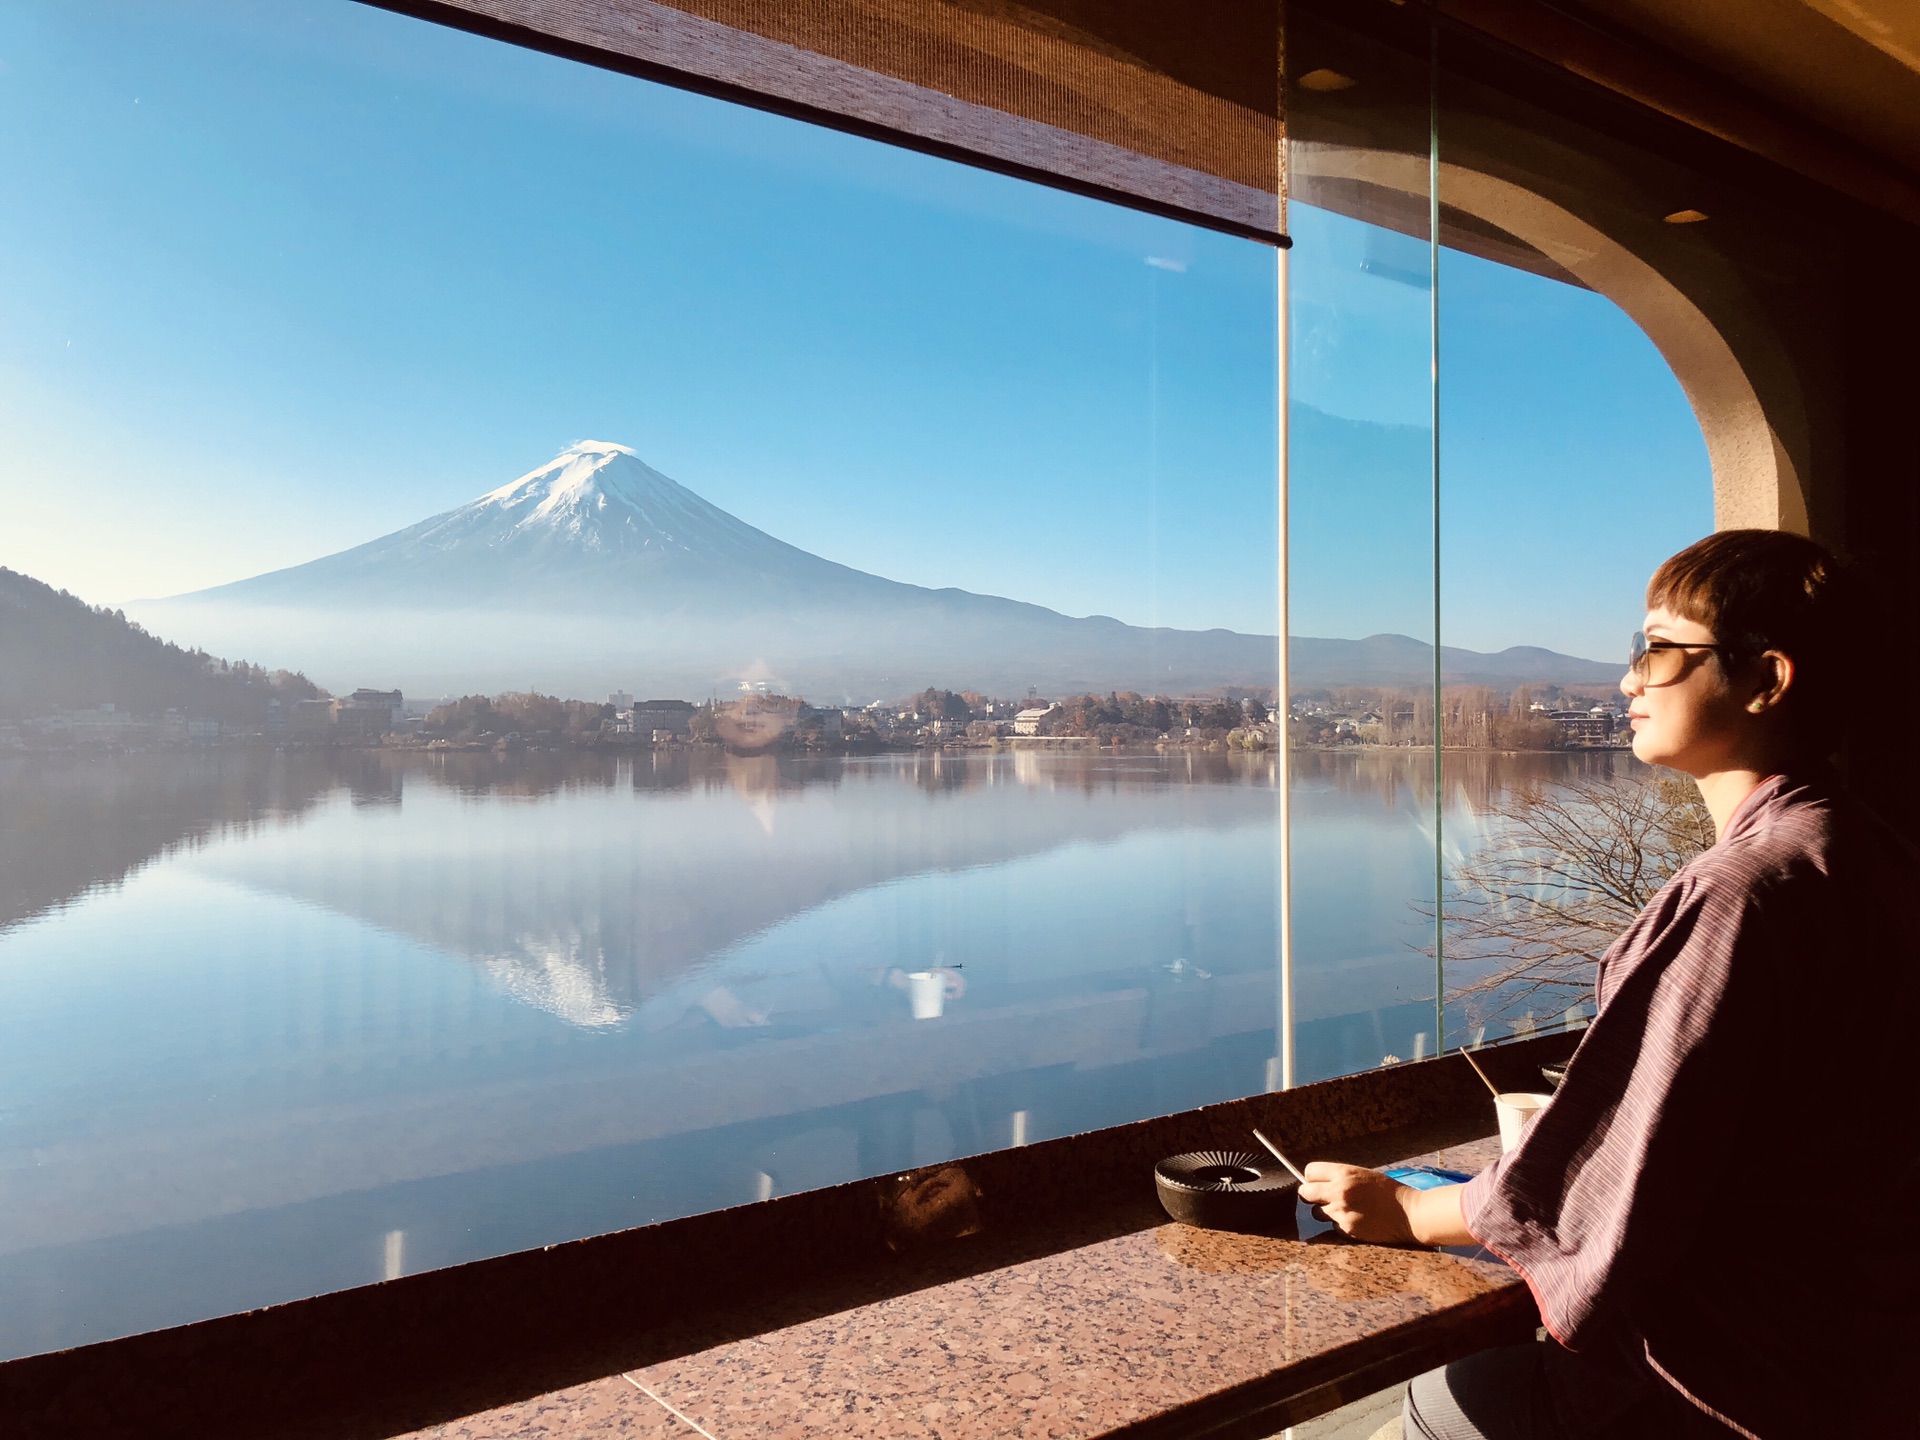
x: 279, y: 277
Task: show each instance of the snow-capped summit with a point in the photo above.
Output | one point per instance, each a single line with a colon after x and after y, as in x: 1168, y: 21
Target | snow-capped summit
x: 595, y: 496
x: 571, y: 472
x: 588, y: 474
x: 595, y: 523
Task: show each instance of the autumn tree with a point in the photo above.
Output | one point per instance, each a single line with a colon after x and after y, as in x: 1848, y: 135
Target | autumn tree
x: 940, y: 705
x: 518, y: 712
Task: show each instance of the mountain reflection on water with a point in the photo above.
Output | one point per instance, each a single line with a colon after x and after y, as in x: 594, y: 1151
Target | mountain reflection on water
x: 261, y: 1012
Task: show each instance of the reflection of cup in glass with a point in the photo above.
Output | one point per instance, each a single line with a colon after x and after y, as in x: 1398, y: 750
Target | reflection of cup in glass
x: 927, y: 989
x: 1516, y: 1108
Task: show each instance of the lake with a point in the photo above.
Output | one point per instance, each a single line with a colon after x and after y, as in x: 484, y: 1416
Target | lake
x: 279, y: 1023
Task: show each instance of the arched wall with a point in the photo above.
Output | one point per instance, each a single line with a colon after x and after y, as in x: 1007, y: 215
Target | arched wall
x: 1759, y: 453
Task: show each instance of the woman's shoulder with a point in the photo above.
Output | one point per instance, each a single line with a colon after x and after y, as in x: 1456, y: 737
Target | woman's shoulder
x: 1803, y: 871
x: 1803, y: 844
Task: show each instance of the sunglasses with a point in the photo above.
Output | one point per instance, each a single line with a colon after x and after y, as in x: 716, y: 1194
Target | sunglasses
x: 1661, y: 662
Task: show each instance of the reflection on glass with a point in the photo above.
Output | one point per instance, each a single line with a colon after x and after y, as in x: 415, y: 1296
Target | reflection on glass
x: 1361, y: 555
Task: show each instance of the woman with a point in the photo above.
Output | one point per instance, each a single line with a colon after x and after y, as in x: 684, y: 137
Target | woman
x: 1717, y: 1214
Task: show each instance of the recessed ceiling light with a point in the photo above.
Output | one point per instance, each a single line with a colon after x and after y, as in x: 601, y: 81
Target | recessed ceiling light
x: 1324, y: 80
x: 1686, y: 217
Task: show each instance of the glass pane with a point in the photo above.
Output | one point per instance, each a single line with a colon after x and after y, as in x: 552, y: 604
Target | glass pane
x: 1630, y: 355
x: 1571, y: 465
x: 1360, y: 553
x: 757, y: 657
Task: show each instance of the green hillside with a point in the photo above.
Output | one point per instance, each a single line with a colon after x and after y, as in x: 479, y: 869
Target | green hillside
x: 58, y: 653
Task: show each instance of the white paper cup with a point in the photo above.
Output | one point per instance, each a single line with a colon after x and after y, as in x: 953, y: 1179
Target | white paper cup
x: 1516, y: 1108
x: 927, y: 990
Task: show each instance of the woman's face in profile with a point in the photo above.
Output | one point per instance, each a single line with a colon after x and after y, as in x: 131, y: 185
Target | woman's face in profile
x: 1694, y: 721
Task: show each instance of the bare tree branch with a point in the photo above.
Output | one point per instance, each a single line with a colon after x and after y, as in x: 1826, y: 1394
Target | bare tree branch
x: 1566, y: 867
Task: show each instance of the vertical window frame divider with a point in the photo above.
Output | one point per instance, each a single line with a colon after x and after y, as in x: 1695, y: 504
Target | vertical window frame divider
x: 1283, y: 706
x: 1282, y: 694
x: 1433, y: 391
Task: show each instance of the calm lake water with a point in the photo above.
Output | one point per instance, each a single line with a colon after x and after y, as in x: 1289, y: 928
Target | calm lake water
x: 274, y: 1024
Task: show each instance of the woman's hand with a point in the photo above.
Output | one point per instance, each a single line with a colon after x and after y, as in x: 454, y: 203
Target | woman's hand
x: 1369, y: 1206
x: 1364, y: 1203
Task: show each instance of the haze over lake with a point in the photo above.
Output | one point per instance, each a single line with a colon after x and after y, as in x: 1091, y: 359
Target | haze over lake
x: 260, y: 1013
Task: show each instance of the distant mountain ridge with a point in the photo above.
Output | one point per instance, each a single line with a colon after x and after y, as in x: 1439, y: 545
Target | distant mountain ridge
x: 595, y: 572
x: 58, y: 653
x: 1400, y: 660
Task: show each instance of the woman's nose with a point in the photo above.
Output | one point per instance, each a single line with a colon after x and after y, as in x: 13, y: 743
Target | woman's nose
x: 1630, y: 684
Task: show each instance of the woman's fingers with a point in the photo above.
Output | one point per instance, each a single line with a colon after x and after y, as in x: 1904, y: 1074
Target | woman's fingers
x: 1328, y: 1182
x: 1360, y: 1201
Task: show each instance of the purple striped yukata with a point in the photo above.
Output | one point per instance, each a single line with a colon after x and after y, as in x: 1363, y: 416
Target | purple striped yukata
x: 1728, y: 1180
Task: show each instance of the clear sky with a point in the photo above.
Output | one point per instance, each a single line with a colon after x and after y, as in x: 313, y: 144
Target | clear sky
x: 279, y: 276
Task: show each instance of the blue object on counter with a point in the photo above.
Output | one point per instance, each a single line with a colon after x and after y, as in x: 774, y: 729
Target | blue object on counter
x: 1425, y: 1177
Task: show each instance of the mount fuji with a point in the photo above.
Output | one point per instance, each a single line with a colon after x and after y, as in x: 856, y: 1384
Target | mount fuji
x: 596, y: 572
x: 594, y: 526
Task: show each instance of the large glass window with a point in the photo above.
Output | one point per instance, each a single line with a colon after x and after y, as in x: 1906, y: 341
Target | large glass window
x: 718, y: 658
x: 573, y: 654
x: 1630, y: 354
x: 1571, y: 467
x: 1529, y: 361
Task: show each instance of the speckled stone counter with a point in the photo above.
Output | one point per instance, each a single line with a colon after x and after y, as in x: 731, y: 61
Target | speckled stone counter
x: 1160, y: 1329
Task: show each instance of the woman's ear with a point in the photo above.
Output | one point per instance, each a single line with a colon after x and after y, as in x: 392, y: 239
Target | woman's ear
x: 1775, y: 678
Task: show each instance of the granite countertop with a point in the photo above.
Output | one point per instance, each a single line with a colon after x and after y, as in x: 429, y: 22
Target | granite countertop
x: 1159, y: 1328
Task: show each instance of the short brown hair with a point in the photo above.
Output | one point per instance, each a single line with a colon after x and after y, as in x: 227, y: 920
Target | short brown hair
x: 1761, y: 590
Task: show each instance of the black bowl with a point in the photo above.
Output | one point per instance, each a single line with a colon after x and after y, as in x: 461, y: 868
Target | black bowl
x: 1553, y: 1074
x: 1226, y: 1190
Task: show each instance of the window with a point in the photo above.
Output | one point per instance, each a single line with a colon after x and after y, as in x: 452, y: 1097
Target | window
x: 757, y: 646
x: 577, y: 653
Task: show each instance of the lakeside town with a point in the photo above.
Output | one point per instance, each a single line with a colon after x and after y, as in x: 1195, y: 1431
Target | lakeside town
x: 85, y: 678
x: 1472, y: 717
